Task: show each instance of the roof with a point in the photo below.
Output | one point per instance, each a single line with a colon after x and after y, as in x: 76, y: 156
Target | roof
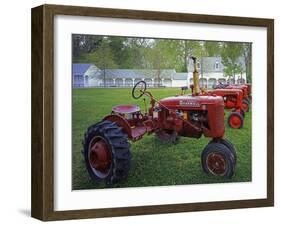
x: 180, y: 76
x: 80, y: 69
x: 138, y: 73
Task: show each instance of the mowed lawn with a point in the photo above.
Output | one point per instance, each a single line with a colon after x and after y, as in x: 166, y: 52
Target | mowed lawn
x: 153, y: 163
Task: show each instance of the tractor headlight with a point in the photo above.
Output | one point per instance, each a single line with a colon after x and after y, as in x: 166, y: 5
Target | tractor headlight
x: 155, y: 114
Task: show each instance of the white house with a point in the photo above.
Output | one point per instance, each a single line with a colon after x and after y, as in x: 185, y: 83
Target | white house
x: 210, y: 71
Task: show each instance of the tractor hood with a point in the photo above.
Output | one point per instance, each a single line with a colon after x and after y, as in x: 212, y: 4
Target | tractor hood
x: 189, y: 101
x: 219, y: 92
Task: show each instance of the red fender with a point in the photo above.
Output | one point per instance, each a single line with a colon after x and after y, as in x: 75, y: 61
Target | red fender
x: 121, y: 122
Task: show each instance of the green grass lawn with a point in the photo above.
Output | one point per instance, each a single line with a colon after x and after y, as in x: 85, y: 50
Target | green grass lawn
x: 153, y: 163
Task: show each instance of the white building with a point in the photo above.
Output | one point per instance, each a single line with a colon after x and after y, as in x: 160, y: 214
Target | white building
x: 210, y: 71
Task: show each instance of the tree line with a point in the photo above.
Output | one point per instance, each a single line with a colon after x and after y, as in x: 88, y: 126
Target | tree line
x: 159, y: 54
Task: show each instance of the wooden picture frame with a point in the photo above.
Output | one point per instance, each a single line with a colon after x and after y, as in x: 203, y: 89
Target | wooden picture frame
x: 42, y: 203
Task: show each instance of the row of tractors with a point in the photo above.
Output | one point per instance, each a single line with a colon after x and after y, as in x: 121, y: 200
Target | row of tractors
x: 237, y: 98
x: 106, y: 147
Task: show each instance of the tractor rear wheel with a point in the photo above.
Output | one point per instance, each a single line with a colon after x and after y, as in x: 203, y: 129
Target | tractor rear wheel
x: 106, y: 152
x: 245, y: 105
x: 235, y: 120
x: 167, y: 136
x: 218, y: 160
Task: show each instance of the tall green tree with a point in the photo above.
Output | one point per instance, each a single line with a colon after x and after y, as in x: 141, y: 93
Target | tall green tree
x: 117, y: 46
x: 136, y: 50
x: 190, y: 48
x: 84, y: 44
x: 231, y: 52
x: 157, y: 58
x: 102, y: 57
x: 212, y: 48
x: 247, y: 55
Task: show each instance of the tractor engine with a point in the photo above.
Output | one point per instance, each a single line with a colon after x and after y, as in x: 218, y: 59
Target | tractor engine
x: 192, y: 117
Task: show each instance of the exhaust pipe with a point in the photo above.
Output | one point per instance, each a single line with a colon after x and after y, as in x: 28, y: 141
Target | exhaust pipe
x: 196, y: 88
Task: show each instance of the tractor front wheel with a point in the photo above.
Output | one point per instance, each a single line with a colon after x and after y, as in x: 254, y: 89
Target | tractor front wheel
x: 106, y: 152
x: 235, y: 120
x: 218, y: 160
x: 167, y: 136
x: 241, y: 111
x: 228, y: 144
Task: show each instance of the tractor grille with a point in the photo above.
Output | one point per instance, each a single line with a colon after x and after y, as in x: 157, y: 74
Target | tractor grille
x: 220, y: 116
x: 218, y: 123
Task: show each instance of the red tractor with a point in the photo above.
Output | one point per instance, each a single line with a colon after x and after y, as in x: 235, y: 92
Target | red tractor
x: 245, y: 101
x: 246, y: 89
x: 233, y: 100
x: 249, y: 86
x: 106, y: 146
x: 249, y: 93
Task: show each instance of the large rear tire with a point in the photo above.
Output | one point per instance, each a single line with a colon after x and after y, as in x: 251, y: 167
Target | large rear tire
x: 217, y: 160
x: 106, y: 152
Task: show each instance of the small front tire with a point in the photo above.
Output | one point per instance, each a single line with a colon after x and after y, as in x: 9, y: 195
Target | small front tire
x: 235, y: 120
x: 241, y: 111
x: 229, y: 145
x: 218, y: 160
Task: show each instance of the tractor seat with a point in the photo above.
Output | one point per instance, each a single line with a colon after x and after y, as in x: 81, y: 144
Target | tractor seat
x: 126, y: 109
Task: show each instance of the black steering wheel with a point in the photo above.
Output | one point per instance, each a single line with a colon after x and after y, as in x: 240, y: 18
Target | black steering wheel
x: 139, y: 89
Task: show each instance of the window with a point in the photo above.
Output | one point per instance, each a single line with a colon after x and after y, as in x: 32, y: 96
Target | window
x: 217, y: 65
